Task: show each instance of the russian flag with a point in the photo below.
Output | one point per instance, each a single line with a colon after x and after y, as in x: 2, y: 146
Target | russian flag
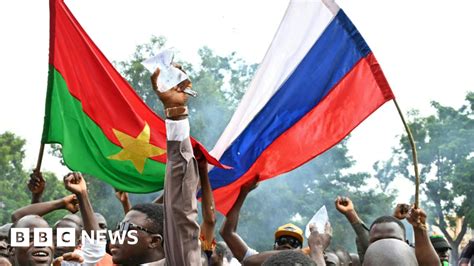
x: 317, y: 82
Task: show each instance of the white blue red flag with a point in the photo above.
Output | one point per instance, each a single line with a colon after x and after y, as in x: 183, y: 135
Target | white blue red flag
x: 317, y: 82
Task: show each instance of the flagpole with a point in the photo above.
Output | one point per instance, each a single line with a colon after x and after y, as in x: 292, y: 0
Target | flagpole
x: 414, y: 155
x: 40, y: 158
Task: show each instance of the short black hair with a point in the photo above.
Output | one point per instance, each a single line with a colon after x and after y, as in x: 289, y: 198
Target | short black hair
x: 154, y: 213
x: 290, y: 258
x: 388, y: 219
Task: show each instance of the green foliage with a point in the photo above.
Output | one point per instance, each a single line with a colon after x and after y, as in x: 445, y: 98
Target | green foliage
x: 14, y: 193
x: 13, y: 184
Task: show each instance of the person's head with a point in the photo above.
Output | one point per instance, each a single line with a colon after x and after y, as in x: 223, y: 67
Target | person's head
x: 441, y: 246
x: 289, y: 257
x: 386, y: 227
x: 343, y: 256
x: 4, y: 242
x: 68, y: 221
x: 219, y: 253
x: 288, y: 236
x: 101, y: 220
x: 147, y: 220
x: 390, y: 252
x: 331, y: 258
x: 31, y: 255
x: 355, y: 260
x: 73, y: 217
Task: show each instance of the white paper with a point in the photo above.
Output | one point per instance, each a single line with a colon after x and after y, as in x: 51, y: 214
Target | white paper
x: 169, y: 76
x: 319, y: 220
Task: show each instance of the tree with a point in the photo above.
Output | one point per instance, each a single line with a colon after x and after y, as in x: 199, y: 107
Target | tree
x: 445, y: 153
x: 14, y: 191
x: 13, y: 179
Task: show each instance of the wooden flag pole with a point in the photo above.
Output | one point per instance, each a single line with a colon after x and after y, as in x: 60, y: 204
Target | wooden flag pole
x: 415, y: 158
x: 40, y: 158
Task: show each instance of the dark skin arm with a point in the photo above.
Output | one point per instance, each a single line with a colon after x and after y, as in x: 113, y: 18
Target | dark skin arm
x: 424, y: 250
x: 75, y: 183
x: 69, y: 203
x: 123, y: 198
x: 36, y: 185
x: 207, y: 206
x: 345, y: 206
x: 318, y: 242
x: 228, y: 230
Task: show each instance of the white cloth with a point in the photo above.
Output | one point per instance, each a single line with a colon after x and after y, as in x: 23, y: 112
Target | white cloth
x: 177, y: 130
x: 250, y: 252
x: 91, y: 252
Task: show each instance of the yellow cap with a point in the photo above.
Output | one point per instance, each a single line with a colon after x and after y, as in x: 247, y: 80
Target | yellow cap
x: 289, y: 230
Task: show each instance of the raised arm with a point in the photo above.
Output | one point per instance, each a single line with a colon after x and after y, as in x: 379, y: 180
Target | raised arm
x: 318, y: 242
x: 424, y: 250
x: 36, y: 185
x: 69, y: 203
x: 208, y: 208
x: 181, y: 232
x: 91, y: 251
x: 345, y: 206
x: 75, y: 183
x: 123, y: 198
x: 228, y: 229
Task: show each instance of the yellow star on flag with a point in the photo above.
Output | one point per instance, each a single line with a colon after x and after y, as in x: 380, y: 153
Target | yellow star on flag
x: 138, y: 149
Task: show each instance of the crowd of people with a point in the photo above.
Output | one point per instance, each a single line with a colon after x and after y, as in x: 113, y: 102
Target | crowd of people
x: 167, y: 231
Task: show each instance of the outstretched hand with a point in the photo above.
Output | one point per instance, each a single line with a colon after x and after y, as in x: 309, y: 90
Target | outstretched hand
x: 70, y: 257
x: 75, y: 183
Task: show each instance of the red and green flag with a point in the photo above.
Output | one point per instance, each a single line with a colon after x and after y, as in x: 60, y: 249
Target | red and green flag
x: 104, y: 127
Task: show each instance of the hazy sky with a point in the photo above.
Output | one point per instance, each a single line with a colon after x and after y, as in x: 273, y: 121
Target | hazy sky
x: 424, y: 47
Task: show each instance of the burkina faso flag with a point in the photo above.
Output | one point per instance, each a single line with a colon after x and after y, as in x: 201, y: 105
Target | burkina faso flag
x: 104, y: 127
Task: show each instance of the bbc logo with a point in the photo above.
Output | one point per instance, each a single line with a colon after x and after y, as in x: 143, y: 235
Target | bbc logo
x: 42, y: 237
